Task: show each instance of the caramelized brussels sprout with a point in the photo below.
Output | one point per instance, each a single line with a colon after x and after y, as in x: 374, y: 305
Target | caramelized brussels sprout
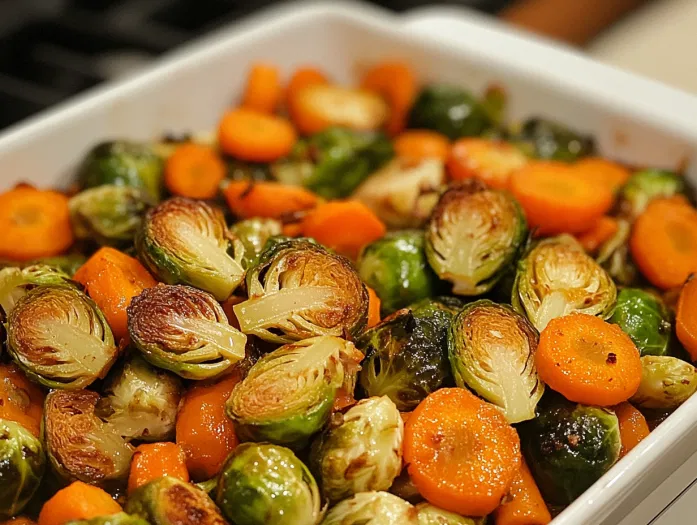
x: 60, y: 338
x: 491, y: 351
x: 299, y: 290
x: 645, y: 319
x: 183, y: 241
x: 545, y: 139
x: 396, y: 268
x: 666, y: 383
x: 22, y: 465
x: 80, y: 446
x: 170, y: 501
x: 68, y: 264
x: 185, y: 331
x: 140, y: 401
x: 450, y: 110
x: 15, y: 282
x: 646, y: 185
x: 263, y: 484
x: 109, y: 215
x: 120, y: 518
x: 614, y: 255
x: 249, y: 238
x: 407, y: 353
x: 428, y: 514
x: 557, y: 278
x: 473, y: 236
x: 372, y: 508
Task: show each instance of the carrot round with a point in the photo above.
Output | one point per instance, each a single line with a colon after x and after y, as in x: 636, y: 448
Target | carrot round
x: 556, y: 199
x: 343, y: 226
x: 664, y: 242
x: 603, y: 172
x: 373, y: 307
x: 194, y: 171
x: 154, y: 460
x: 112, y: 278
x: 633, y: 427
x: 303, y: 77
x: 248, y: 199
x: 397, y: 83
x: 33, y: 223
x: 422, y: 144
x: 253, y: 136
x: 490, y: 161
x: 524, y: 504
x: 77, y: 501
x: 588, y: 360
x: 21, y: 400
x: 203, y: 430
x: 18, y: 520
x: 686, y: 317
x: 263, y: 91
x: 602, y: 231
x: 461, y: 453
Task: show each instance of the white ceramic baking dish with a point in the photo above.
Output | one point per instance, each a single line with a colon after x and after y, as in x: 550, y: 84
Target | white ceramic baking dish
x: 633, y: 119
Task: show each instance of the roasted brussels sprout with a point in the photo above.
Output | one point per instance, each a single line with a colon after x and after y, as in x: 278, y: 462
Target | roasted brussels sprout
x: 185, y: 331
x: 396, y: 268
x: 428, y: 514
x: 557, y: 278
x: 545, y: 139
x: 491, y: 349
x: 264, y: 484
x: 666, y: 382
x: 299, y: 290
x: 109, y: 215
x: 407, y: 353
x: 333, y: 162
x: 645, y: 319
x: 646, y: 185
x: 240, y: 170
x: 288, y: 394
x: 450, y: 110
x: 569, y: 447
x: 122, y: 163
x: 15, y: 282
x: 68, y: 264
x: 249, y: 238
x: 140, y: 401
x: 170, y: 501
x: 80, y: 446
x: 22, y: 465
x: 60, y: 338
x: 614, y: 255
x: 183, y: 241
x: 372, y: 508
x: 361, y: 450
x: 120, y: 518
x: 473, y: 236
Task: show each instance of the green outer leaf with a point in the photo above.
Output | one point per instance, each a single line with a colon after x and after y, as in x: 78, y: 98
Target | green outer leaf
x: 645, y: 319
x: 120, y: 518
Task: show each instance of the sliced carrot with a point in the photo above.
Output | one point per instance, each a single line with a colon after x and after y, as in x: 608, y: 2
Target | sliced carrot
x: 373, y: 307
x: 293, y: 229
x: 405, y: 416
x: 194, y: 171
x: 602, y: 231
x: 77, y: 501
x: 491, y: 161
x: 19, y: 520
x: 686, y: 317
x: 633, y: 427
x: 304, y: 76
x: 603, y: 172
x: 397, y: 83
x: 556, y: 199
x: 524, y: 504
x: 664, y: 242
x: 229, y: 312
x: 34, y: 223
x: 588, y: 360
x: 248, y: 199
x: 21, y: 400
x: 203, y: 430
x: 250, y: 135
x: 154, y: 460
x: 343, y: 226
x: 461, y: 453
x: 422, y: 144
x: 112, y: 278
x: 263, y: 92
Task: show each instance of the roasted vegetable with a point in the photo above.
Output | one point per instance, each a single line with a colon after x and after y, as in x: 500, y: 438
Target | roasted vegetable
x: 644, y: 317
x: 371, y: 508
x: 646, y: 185
x: 120, y: 518
x: 546, y: 139
x: 184, y: 330
x: 614, y: 256
x: 250, y: 236
x: 15, y: 282
x: 428, y: 514
x: 263, y: 484
x: 666, y: 383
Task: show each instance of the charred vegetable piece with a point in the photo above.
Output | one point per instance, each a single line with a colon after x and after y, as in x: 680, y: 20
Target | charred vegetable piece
x: 644, y: 317
x: 428, y: 514
x: 249, y: 238
x: 371, y: 508
x: 15, y: 282
x: 546, y: 139
x: 120, y: 518
x: 646, y: 185
x: 666, y: 383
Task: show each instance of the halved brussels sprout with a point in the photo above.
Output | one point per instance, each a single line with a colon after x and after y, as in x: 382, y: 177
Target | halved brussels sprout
x: 557, y: 278
x: 333, y: 162
x: 299, y: 290
x: 372, y: 508
x: 288, y: 394
x: 15, y: 282
x: 397, y: 269
x: 140, y: 401
x: 185, y: 331
x: 123, y: 163
x: 361, y: 450
x: 120, y: 518
x: 614, y: 255
x: 492, y: 349
x: 109, y: 215
x: 404, y: 192
x: 645, y: 319
x: 473, y: 236
x: 249, y: 238
x: 546, y: 139
x: 81, y: 446
x: 569, y: 447
x: 183, y: 241
x: 171, y: 501
x: 666, y: 382
x: 22, y: 465
x: 646, y: 185
x: 450, y: 110
x: 428, y: 514
x: 68, y: 264
x: 407, y: 353
x: 60, y: 338
x: 264, y: 484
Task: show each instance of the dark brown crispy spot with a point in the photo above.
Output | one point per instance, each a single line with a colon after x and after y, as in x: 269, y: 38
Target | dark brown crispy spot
x: 573, y: 439
x: 611, y: 358
x: 190, y: 506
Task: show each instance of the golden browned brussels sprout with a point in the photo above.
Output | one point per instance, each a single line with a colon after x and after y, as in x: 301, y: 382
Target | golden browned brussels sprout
x: 16, y: 281
x: 372, y: 508
x: 666, y: 383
